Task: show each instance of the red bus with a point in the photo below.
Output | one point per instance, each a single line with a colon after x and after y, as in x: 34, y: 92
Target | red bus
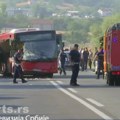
x: 112, y: 54
x: 40, y: 51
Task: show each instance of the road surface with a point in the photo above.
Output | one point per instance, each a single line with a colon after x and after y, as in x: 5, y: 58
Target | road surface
x: 55, y: 99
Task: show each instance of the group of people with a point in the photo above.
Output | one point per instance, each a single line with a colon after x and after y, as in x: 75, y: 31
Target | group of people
x: 80, y: 60
x: 86, y: 58
x: 77, y: 59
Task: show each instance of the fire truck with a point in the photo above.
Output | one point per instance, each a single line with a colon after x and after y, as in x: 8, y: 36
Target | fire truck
x: 111, y: 45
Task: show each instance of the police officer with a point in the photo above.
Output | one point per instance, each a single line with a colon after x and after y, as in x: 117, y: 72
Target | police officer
x: 17, y: 67
x: 75, y: 61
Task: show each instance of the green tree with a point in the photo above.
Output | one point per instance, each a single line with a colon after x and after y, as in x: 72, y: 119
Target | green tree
x: 3, y: 8
x: 3, y: 15
x: 24, y: 22
x: 60, y: 24
x: 39, y: 10
x: 108, y: 21
x: 95, y: 34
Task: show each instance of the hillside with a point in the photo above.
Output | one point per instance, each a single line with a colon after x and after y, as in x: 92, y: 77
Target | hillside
x: 86, y: 4
x: 78, y: 17
x: 61, y: 5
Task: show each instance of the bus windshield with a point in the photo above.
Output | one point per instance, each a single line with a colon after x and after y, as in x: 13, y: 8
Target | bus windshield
x: 39, y: 46
x: 39, y: 50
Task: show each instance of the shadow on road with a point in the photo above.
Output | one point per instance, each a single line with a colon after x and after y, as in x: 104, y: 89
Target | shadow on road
x: 10, y: 98
x: 80, y: 76
x: 87, y: 86
x: 50, y: 86
x: 27, y: 86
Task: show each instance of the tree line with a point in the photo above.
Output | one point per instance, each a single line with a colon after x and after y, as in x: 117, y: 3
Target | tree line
x: 76, y: 30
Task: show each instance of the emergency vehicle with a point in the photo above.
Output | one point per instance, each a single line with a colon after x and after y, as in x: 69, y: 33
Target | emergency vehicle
x: 112, y: 55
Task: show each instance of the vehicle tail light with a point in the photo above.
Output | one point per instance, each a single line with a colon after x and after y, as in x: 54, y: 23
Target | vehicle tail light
x: 116, y: 73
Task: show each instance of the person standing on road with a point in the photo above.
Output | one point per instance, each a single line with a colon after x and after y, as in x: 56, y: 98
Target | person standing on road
x: 95, y: 58
x: 100, y: 57
x: 90, y: 57
x: 85, y: 58
x: 75, y: 61
x: 17, y: 67
x: 63, y: 57
x: 82, y: 59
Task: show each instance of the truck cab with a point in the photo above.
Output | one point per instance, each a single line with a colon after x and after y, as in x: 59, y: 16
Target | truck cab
x: 112, y: 55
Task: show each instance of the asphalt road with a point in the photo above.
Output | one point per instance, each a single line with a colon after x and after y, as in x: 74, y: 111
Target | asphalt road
x: 55, y: 99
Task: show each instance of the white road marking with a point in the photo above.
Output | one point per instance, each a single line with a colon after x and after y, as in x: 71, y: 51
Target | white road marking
x: 95, y: 110
x: 95, y: 102
x: 60, y: 82
x: 72, y: 90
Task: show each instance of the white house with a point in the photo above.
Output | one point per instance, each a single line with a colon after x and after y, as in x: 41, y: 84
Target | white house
x: 105, y: 12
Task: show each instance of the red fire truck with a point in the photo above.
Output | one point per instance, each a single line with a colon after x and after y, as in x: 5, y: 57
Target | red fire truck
x: 40, y: 51
x: 112, y: 55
